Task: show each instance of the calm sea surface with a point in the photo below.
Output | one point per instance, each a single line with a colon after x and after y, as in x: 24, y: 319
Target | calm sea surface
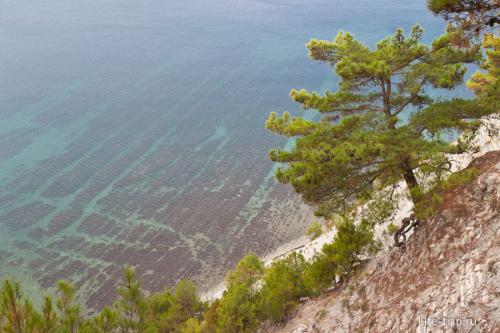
x: 132, y: 132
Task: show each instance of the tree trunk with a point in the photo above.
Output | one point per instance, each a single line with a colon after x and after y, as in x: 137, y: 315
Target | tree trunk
x: 411, y: 182
x: 408, y: 174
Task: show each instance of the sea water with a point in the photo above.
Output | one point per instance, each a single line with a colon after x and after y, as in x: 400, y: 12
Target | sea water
x: 132, y: 132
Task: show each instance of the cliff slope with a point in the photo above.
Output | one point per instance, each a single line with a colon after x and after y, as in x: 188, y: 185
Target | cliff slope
x: 445, y: 279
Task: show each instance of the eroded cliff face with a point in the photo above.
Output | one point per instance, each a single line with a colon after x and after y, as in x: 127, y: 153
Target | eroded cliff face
x: 445, y: 279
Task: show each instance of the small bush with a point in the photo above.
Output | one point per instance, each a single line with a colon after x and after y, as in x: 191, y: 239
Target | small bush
x: 283, y: 285
x: 238, y: 311
x: 248, y: 271
x: 186, y: 305
x: 210, y: 317
x: 314, y: 231
x: 321, y: 273
x: 392, y: 228
x: 338, y: 259
x: 192, y: 325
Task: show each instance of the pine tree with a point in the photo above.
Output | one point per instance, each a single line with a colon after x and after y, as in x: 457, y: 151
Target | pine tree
x: 12, y: 308
x: 69, y: 318
x: 363, y: 140
x: 473, y: 16
x: 486, y: 84
x: 106, y: 321
x: 49, y: 316
x: 185, y: 306
x: 476, y: 17
x: 337, y: 260
x: 131, y: 304
x: 283, y: 285
x: 237, y: 311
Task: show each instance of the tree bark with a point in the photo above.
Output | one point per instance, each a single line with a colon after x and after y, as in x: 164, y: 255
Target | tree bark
x: 408, y: 174
x: 411, y: 182
x: 407, y: 225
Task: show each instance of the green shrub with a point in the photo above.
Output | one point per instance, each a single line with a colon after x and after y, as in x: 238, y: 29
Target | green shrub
x: 314, y: 231
x: 131, y: 302
x: 158, y: 304
x: 186, y: 305
x: 192, y: 325
x: 248, y: 271
x: 106, y: 321
x: 321, y: 272
x: 283, y: 285
x: 210, y: 318
x: 339, y: 258
x: 238, y: 311
x: 392, y: 228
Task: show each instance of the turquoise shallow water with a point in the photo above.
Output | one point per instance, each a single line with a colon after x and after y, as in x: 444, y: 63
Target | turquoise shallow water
x: 132, y: 132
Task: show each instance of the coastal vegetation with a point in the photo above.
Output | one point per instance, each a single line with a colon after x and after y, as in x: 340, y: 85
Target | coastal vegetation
x: 315, y: 230
x: 477, y: 19
x: 254, y: 294
x: 470, y: 16
x: 377, y: 129
x: 382, y: 123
